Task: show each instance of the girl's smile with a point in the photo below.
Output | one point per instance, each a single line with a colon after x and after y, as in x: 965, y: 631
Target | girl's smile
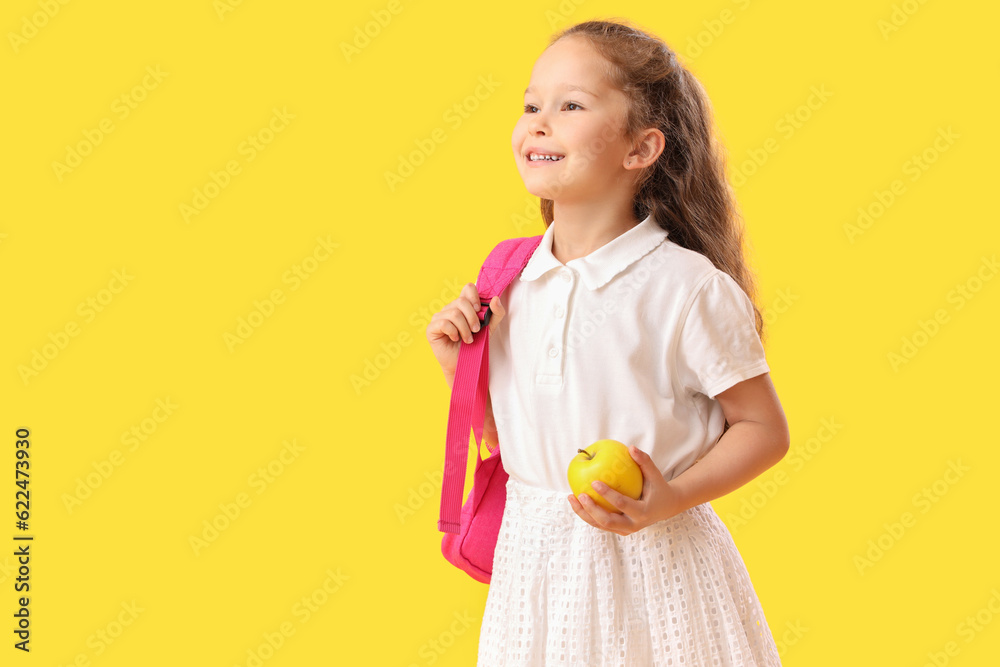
x: 536, y: 156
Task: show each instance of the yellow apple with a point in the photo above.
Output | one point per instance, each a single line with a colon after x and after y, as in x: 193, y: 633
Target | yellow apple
x: 610, y: 462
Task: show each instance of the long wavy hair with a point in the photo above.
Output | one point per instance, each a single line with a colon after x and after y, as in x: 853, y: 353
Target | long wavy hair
x: 686, y: 190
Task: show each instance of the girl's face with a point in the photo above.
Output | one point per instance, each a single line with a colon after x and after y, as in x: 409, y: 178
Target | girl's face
x: 571, y: 111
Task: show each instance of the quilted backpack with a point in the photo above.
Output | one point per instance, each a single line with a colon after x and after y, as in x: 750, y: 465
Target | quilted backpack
x: 471, y: 534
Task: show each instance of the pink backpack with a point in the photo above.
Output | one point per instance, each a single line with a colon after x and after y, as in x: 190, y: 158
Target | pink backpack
x: 472, y: 534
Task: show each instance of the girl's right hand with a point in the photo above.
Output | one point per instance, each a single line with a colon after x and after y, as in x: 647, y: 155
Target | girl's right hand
x: 455, y: 323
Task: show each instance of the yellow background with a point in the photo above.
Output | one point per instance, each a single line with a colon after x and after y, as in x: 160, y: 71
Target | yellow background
x: 837, y: 308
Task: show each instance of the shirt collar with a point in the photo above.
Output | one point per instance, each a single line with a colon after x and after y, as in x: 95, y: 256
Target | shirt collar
x: 603, y: 264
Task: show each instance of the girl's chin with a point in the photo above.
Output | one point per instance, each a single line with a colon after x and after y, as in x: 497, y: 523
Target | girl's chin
x: 536, y: 191
x: 544, y: 187
x: 543, y: 190
x: 542, y: 193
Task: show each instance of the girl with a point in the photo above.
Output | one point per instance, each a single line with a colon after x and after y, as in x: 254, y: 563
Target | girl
x: 633, y: 320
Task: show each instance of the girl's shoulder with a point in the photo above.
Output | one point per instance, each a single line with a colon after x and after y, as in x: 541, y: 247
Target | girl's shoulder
x: 681, y: 267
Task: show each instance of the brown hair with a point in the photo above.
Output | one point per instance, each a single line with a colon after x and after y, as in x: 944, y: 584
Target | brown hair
x: 686, y: 189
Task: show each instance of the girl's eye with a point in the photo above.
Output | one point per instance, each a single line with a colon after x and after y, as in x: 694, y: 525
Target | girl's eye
x: 528, y: 107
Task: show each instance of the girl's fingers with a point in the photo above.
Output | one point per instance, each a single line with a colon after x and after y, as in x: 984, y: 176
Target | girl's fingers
x: 598, y: 517
x: 453, y: 321
x: 580, y: 511
x: 619, y: 500
x: 451, y: 330
x: 497, y: 307
x: 458, y: 320
x: 470, y: 305
x: 498, y: 313
x: 472, y: 299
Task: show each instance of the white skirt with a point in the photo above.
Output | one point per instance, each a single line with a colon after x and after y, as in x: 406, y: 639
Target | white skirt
x: 566, y: 593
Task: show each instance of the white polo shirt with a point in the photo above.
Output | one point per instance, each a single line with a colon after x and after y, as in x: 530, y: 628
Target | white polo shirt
x: 631, y: 342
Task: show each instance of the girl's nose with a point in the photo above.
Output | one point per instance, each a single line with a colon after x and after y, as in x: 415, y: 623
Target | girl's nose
x: 539, y: 124
x: 539, y: 131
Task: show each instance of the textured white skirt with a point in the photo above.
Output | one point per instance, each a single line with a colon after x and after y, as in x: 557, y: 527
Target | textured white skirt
x: 566, y: 593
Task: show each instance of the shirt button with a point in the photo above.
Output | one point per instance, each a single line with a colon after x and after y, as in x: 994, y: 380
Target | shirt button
x: 567, y: 275
x: 553, y: 352
x: 560, y: 311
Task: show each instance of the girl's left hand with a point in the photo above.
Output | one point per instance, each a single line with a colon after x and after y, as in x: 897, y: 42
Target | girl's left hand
x: 658, y: 501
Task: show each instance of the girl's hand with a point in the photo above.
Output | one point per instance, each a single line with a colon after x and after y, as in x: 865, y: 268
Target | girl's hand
x: 455, y: 323
x: 658, y: 501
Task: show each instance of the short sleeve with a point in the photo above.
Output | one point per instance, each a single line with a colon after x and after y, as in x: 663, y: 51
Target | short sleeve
x: 718, y: 345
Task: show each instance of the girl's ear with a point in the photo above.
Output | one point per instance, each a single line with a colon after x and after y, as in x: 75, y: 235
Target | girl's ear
x: 647, y: 150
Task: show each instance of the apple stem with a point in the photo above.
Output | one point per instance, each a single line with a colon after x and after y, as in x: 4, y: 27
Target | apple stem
x: 584, y: 451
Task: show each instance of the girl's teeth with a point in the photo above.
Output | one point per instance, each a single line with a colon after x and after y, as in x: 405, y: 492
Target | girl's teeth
x: 536, y: 158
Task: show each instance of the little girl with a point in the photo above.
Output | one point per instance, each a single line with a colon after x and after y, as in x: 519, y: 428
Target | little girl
x: 633, y: 320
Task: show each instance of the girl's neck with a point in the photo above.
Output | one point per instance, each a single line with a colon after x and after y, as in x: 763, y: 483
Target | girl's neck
x: 584, y: 227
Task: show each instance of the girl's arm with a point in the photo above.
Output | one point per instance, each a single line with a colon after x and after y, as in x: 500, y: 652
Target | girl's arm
x: 756, y: 439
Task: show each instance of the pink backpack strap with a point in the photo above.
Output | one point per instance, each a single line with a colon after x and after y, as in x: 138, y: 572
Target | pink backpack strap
x: 471, y: 385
